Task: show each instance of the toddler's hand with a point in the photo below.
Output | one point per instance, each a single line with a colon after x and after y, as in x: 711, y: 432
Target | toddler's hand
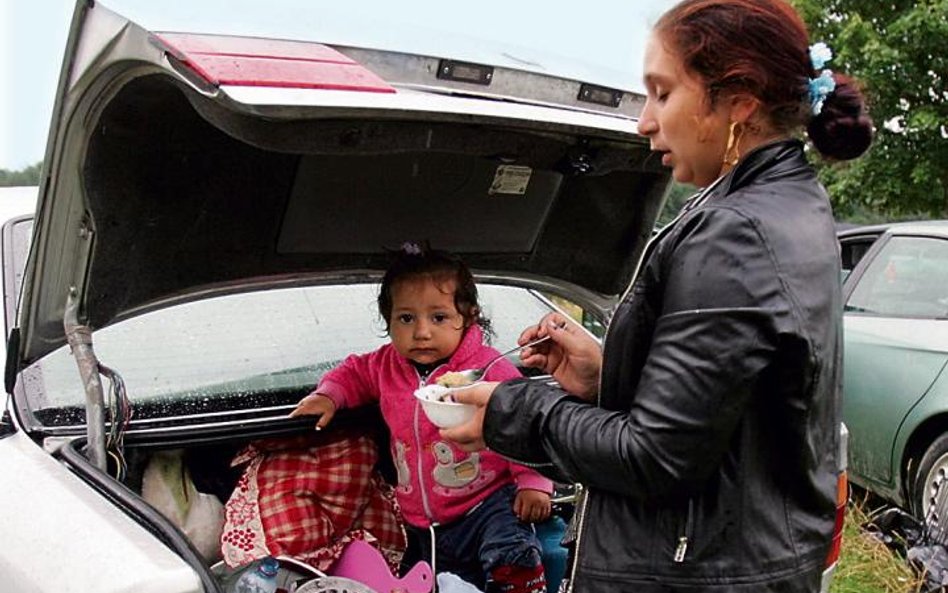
x: 316, y: 404
x: 532, y: 506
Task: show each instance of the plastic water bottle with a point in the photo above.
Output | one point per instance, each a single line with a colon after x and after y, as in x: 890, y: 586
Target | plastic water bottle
x: 260, y: 578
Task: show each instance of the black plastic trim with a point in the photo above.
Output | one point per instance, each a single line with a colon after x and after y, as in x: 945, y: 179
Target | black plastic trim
x: 6, y: 425
x: 139, y: 510
x: 600, y: 95
x: 12, y: 367
x: 465, y: 72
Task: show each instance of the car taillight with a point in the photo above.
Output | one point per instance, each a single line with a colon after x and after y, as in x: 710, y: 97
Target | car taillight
x: 248, y: 61
x: 842, y: 497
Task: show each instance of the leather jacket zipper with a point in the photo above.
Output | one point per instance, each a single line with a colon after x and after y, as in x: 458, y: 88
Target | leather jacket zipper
x: 584, y: 503
x: 581, y: 513
x: 699, y: 199
x: 687, y: 534
x: 523, y: 463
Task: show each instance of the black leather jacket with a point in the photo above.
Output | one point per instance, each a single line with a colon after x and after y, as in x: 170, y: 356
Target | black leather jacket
x: 711, y: 459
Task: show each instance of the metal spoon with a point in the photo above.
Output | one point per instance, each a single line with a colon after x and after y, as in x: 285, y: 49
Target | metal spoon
x: 472, y: 375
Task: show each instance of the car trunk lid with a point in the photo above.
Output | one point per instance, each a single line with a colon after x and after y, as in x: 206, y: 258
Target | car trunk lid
x: 174, y: 165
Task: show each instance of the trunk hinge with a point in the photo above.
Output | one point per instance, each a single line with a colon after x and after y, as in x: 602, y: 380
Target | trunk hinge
x: 80, y: 341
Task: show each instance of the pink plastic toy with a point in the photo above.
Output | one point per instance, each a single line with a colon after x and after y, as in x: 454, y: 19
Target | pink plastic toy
x: 363, y: 563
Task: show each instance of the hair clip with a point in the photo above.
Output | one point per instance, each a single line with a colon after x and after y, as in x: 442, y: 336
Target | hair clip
x: 824, y: 84
x: 820, y: 53
x: 411, y: 248
x: 820, y: 87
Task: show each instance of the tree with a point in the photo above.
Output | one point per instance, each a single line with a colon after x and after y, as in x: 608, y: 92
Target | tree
x: 27, y: 176
x: 896, y: 49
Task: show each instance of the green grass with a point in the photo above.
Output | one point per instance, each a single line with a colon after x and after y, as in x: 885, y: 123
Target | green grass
x: 866, y: 565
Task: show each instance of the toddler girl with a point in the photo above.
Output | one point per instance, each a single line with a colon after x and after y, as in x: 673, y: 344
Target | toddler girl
x: 477, y: 507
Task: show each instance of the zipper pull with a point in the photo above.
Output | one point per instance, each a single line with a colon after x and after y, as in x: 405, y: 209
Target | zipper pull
x: 681, y: 549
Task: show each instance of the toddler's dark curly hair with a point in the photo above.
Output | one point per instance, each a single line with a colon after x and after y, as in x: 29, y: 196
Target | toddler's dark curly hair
x: 420, y: 260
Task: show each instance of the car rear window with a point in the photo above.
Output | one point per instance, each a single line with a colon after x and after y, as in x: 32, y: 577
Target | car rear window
x: 241, y: 351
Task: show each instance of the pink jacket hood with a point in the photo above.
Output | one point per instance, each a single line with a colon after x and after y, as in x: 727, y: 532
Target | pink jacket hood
x: 437, y: 482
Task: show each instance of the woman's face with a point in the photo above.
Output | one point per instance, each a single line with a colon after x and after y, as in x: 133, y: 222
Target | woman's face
x: 678, y: 118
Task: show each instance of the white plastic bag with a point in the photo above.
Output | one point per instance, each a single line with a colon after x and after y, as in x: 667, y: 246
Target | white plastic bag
x: 167, y: 486
x: 448, y: 582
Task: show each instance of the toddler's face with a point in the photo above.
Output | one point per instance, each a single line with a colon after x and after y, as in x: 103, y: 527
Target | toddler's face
x: 425, y: 326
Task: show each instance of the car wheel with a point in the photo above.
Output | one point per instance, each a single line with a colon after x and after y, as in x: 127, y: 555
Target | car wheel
x: 930, y: 497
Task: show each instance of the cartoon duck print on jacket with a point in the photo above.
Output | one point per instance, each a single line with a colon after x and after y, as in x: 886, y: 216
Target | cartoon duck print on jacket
x: 450, y: 477
x: 457, y: 478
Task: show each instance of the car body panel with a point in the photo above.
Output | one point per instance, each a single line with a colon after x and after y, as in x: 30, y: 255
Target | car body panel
x: 90, y: 533
x: 478, y: 34
x: 895, y: 379
x: 914, y: 355
x: 928, y: 417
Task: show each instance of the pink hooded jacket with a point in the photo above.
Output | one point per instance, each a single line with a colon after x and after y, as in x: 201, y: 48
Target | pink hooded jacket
x: 437, y: 482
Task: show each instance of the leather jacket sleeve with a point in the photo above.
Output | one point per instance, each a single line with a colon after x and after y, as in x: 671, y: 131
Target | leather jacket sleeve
x: 667, y: 426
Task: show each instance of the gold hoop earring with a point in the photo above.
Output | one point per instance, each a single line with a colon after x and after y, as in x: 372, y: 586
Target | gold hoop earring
x: 732, y: 154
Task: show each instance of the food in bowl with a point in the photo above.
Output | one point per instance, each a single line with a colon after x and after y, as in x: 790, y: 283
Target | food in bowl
x: 454, y: 379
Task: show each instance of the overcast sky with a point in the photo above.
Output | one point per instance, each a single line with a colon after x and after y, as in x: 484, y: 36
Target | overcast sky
x: 598, y: 40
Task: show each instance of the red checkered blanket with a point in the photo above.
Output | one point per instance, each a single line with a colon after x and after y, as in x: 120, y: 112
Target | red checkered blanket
x: 308, y: 501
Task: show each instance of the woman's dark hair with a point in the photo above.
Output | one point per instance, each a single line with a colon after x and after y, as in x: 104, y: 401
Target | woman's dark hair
x: 415, y: 260
x: 761, y: 47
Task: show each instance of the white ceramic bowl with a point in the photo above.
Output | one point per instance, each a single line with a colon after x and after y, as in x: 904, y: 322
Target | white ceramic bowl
x: 443, y: 414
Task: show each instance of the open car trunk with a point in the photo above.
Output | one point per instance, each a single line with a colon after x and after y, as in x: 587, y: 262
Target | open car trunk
x: 187, y: 169
x: 165, y: 179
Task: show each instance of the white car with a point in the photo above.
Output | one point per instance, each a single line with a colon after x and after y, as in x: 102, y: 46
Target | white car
x: 214, y: 217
